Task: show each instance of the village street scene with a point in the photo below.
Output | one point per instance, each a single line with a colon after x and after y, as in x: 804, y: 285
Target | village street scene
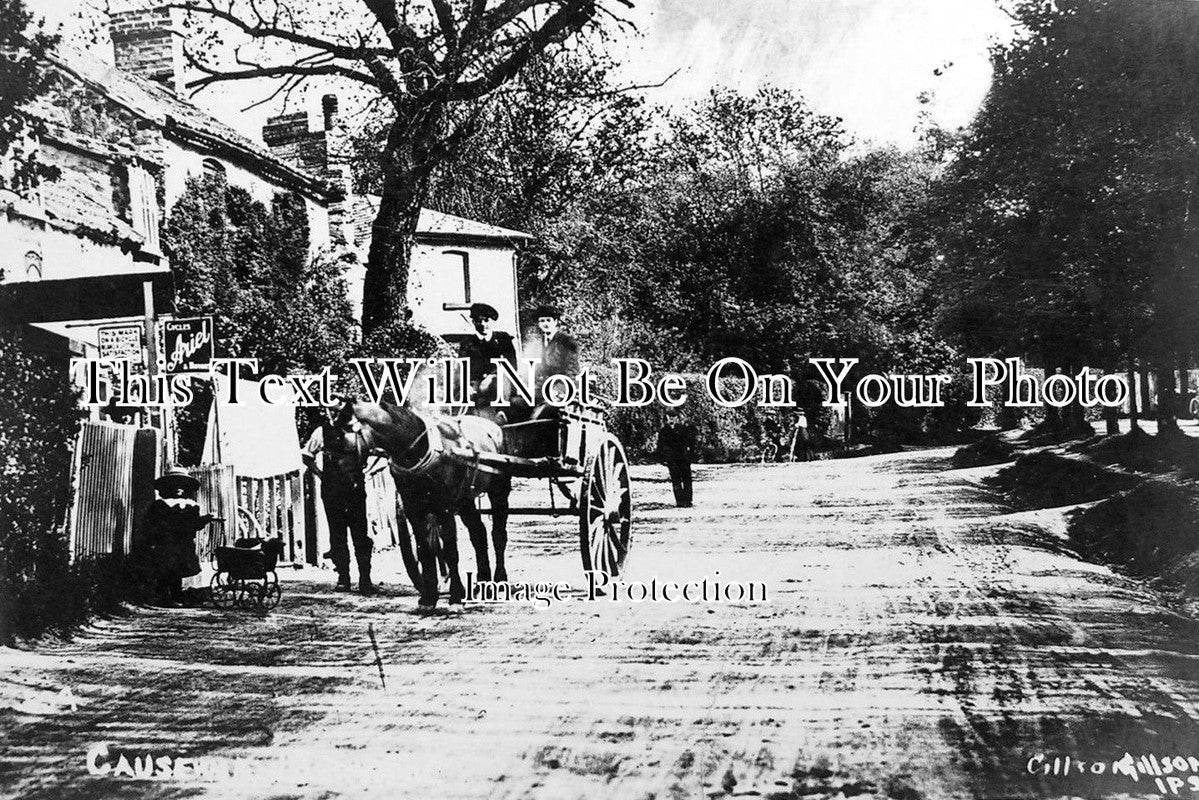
x: 599, y: 398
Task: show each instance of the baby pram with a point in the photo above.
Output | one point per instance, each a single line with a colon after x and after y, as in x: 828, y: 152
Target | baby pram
x: 245, y: 574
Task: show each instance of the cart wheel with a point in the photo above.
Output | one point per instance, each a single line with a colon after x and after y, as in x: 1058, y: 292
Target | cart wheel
x: 220, y: 591
x: 271, y: 592
x: 605, y: 509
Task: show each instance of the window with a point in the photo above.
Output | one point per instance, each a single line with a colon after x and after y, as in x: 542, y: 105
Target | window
x: 33, y: 265
x: 459, y: 271
x: 143, y: 205
x: 214, y: 168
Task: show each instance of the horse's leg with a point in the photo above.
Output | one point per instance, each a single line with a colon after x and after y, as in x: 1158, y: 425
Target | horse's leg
x: 426, y: 527
x: 449, y: 552
x: 478, y: 537
x: 497, y: 493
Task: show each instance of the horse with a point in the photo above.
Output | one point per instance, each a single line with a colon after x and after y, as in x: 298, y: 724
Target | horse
x: 434, y: 487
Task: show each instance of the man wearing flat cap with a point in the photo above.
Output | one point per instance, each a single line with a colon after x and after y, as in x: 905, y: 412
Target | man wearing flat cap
x: 480, y: 349
x: 342, y: 457
x: 558, y: 350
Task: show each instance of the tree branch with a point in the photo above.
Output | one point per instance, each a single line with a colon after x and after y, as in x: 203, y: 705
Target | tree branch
x: 570, y: 16
x: 262, y: 30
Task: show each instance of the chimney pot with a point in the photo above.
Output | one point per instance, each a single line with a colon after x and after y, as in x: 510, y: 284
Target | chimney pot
x: 329, y: 107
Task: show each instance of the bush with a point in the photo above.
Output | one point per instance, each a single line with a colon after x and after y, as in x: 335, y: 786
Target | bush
x: 40, y: 589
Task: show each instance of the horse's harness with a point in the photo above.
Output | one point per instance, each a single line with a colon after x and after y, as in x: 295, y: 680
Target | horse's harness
x: 434, y: 454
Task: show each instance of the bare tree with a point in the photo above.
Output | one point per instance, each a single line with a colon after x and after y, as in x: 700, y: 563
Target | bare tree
x: 422, y: 57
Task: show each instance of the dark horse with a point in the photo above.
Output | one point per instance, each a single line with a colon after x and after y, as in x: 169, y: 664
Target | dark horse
x: 434, y: 487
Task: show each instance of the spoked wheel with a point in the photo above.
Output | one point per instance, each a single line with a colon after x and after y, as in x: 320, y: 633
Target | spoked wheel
x: 245, y: 595
x: 605, y: 509
x: 221, y: 590
x: 271, y: 592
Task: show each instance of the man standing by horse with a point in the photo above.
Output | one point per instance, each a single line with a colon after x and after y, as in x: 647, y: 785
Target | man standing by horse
x: 343, y: 455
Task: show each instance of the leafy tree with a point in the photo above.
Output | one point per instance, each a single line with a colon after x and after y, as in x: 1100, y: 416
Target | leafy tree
x: 424, y: 59
x: 1065, y: 220
x: 24, y: 44
x: 250, y: 269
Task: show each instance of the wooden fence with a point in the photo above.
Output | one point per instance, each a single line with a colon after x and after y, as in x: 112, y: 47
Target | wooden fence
x: 277, y: 506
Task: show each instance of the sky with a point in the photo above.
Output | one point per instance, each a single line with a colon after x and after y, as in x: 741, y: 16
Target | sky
x: 865, y: 61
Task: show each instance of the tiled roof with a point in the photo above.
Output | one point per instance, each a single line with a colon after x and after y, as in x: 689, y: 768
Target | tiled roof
x: 155, y: 103
x: 431, y: 225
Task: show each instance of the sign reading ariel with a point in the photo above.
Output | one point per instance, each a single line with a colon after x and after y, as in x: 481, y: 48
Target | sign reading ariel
x: 186, y: 344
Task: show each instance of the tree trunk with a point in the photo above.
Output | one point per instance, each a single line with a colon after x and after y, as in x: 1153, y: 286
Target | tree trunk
x: 1167, y: 422
x: 407, y: 162
x: 1133, y: 413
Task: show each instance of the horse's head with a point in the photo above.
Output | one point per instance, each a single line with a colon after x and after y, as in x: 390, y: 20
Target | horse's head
x: 388, y: 427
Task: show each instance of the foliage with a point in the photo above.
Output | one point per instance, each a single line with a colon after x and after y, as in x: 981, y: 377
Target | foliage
x: 249, y: 267
x: 24, y: 44
x: 39, y: 588
x: 1064, y: 221
x: 424, y: 60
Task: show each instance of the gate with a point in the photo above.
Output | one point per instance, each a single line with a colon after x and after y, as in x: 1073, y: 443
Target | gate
x: 276, y: 504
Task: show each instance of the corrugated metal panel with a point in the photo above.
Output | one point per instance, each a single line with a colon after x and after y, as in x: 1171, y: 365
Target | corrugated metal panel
x: 102, y: 513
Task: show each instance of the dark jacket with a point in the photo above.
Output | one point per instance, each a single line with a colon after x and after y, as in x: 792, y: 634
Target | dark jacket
x: 676, y: 443
x: 171, y: 526
x: 559, y: 357
x: 481, y: 351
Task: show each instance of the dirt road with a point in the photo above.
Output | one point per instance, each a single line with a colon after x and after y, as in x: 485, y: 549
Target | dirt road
x: 919, y: 642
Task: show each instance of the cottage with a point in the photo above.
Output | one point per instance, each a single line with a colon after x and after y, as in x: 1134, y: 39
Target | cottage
x: 83, y: 250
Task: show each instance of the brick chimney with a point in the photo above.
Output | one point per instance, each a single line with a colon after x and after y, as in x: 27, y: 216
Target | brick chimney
x: 320, y: 152
x: 148, y: 43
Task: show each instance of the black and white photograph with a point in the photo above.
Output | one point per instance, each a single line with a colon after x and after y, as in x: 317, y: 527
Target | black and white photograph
x: 555, y: 399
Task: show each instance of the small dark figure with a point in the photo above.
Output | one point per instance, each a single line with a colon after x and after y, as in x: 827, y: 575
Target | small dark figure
x: 343, y: 493
x: 801, y: 441
x: 172, y: 522
x: 676, y: 446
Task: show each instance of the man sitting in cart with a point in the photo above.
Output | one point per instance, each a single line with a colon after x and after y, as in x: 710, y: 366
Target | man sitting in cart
x: 480, y: 349
x: 558, y: 350
x: 343, y: 457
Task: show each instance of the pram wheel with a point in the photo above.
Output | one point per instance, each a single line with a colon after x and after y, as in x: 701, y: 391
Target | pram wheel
x: 270, y: 593
x: 221, y: 591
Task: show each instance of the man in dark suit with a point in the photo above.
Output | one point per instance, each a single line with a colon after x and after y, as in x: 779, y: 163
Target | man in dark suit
x: 676, y: 449
x: 558, y: 350
x: 486, y: 344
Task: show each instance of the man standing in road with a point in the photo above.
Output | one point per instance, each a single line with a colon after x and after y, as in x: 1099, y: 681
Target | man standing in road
x: 343, y: 492
x: 676, y: 447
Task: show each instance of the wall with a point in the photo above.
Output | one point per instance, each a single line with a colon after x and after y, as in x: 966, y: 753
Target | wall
x: 436, y: 278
